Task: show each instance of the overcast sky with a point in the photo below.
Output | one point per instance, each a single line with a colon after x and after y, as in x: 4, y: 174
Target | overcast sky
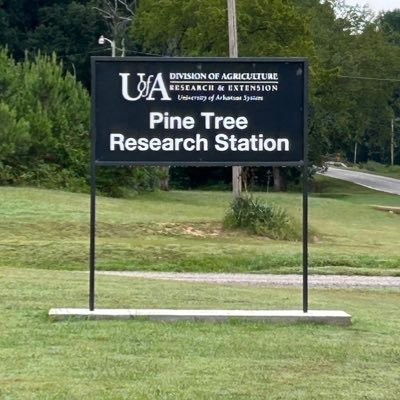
x: 377, y: 5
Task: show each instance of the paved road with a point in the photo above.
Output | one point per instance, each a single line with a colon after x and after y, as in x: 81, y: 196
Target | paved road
x: 376, y: 182
x: 322, y: 281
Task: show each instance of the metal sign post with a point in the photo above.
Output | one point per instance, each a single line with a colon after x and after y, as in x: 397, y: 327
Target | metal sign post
x: 202, y: 112
x: 92, y: 244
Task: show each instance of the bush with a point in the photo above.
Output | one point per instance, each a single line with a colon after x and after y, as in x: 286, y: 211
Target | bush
x: 258, y: 218
x: 44, y: 131
x: 126, y: 181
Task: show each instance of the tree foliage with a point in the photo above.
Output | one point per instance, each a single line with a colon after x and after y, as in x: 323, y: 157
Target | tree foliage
x: 354, y: 88
x: 199, y: 28
x: 350, y: 92
x: 45, y: 117
x: 340, y: 42
x: 69, y: 28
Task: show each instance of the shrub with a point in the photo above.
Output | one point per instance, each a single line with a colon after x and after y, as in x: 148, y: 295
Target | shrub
x: 44, y: 131
x: 259, y: 218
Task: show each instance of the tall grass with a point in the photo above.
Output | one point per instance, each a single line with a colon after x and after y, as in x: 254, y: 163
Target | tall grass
x: 260, y: 218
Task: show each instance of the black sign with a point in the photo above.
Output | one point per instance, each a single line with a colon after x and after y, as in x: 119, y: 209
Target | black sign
x: 198, y: 111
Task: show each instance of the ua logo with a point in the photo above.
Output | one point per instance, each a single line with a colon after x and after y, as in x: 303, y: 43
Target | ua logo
x: 145, y: 88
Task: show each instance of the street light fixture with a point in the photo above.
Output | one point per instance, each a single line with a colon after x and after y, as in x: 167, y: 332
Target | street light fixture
x: 103, y: 39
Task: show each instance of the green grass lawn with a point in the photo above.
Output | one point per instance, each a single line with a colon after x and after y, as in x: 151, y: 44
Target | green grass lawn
x: 392, y: 171
x: 181, y: 231
x: 41, y: 359
x: 44, y: 253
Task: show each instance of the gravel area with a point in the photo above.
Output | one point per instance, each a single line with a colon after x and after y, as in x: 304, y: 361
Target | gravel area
x: 320, y: 281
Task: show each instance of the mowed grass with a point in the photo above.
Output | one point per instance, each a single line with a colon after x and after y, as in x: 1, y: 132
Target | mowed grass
x: 41, y: 359
x: 372, y: 167
x: 181, y: 231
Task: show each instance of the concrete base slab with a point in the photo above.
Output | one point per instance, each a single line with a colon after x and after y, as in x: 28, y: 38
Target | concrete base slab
x: 280, y: 316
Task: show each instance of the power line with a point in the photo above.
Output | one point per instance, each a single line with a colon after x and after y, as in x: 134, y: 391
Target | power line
x: 106, y: 49
x: 369, y: 78
x: 144, y: 53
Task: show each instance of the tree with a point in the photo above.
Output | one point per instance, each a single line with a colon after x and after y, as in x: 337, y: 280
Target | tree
x: 389, y: 24
x: 45, y: 116
x: 70, y: 28
x: 344, y: 108
x: 265, y: 28
x: 170, y: 27
x: 117, y: 15
x: 14, y: 132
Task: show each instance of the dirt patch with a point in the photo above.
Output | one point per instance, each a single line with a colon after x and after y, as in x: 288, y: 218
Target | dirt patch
x: 199, y: 229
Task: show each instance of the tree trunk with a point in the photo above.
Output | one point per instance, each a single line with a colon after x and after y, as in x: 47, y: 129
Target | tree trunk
x: 164, y: 179
x: 355, y: 153
x: 279, y: 179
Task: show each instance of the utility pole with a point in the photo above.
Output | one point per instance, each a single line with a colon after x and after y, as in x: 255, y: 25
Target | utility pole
x: 392, y: 144
x: 233, y: 53
x: 355, y: 153
x: 232, y: 26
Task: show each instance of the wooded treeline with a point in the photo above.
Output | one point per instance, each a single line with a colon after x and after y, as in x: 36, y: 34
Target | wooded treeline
x: 354, y: 92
